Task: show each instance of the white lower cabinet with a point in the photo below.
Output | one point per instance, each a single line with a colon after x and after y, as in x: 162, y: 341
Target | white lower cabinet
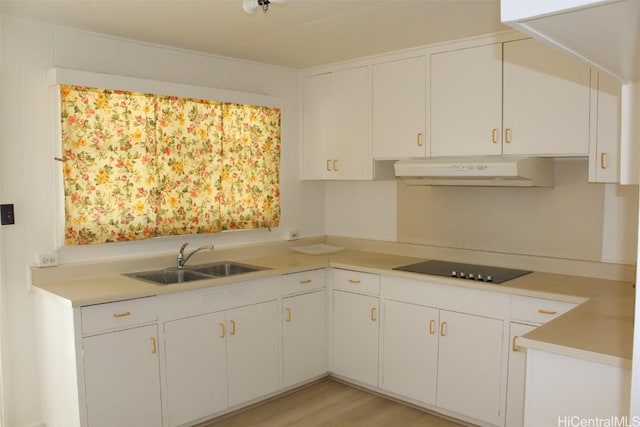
x: 220, y: 360
x: 410, y: 351
x: 122, y: 378
x: 252, y: 351
x: 304, y: 337
x: 469, y: 365
x: 443, y: 358
x: 355, y: 336
x: 516, y: 376
x: 220, y: 348
x: 196, y: 361
x: 567, y: 391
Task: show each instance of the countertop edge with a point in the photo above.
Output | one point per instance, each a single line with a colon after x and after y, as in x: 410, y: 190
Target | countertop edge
x: 577, y: 353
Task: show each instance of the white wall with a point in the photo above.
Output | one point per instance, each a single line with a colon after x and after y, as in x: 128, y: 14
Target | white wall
x: 28, y: 173
x: 365, y: 210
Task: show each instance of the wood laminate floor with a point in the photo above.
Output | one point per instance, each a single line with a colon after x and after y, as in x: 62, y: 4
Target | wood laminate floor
x: 329, y: 403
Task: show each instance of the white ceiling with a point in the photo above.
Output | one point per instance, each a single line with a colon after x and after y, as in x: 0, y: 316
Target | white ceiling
x: 301, y: 34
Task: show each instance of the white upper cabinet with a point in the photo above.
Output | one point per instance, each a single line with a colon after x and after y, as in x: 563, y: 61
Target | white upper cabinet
x: 513, y: 98
x: 337, y: 125
x: 546, y: 101
x: 317, y: 112
x: 604, y: 150
x: 399, y: 108
x: 466, y: 102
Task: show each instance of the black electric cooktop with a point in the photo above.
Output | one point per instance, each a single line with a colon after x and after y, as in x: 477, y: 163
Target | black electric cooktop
x: 481, y: 273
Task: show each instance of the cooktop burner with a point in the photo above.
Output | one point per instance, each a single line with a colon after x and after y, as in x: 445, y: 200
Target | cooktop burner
x: 481, y: 273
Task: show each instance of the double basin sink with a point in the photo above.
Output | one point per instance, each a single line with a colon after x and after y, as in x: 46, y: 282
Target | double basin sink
x: 169, y: 276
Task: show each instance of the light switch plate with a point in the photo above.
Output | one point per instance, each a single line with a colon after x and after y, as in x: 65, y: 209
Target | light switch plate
x: 6, y: 215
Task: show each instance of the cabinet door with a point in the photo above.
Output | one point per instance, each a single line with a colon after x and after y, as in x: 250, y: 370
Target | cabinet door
x: 410, y: 350
x: 337, y: 125
x: 516, y: 376
x: 252, y: 351
x: 122, y: 378
x: 355, y: 336
x: 466, y: 102
x: 351, y: 147
x: 604, y: 152
x: 304, y: 337
x: 317, y: 116
x: 546, y: 101
x: 399, y: 103
x: 470, y: 365
x: 196, y: 367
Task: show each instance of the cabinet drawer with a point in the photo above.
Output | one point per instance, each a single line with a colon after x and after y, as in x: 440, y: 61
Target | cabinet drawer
x: 355, y: 281
x: 120, y: 314
x: 538, y: 310
x: 303, y: 281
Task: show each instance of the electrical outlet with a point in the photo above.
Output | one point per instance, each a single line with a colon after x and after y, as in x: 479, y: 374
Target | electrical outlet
x: 292, y: 235
x: 48, y: 260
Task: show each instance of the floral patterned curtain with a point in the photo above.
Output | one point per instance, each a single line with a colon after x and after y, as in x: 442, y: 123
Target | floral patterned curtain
x: 140, y: 165
x: 250, y: 190
x: 188, y: 134
x: 109, y: 171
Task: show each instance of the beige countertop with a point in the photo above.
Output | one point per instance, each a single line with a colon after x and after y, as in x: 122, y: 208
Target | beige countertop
x: 600, y: 329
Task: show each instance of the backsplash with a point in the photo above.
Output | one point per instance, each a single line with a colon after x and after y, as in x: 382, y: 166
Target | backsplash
x: 561, y: 222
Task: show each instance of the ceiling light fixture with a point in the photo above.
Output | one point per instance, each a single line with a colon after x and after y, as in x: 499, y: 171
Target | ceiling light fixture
x: 251, y: 6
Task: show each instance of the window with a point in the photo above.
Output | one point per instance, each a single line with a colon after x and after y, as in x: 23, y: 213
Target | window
x: 138, y: 165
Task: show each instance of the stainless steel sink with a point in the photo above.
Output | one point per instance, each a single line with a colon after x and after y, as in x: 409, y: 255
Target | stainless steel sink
x: 224, y: 269
x: 169, y: 276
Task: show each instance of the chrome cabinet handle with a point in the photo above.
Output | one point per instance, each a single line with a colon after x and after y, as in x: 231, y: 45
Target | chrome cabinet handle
x: 419, y: 139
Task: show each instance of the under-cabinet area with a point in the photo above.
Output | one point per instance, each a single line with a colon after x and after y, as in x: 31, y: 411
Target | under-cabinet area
x: 184, y: 357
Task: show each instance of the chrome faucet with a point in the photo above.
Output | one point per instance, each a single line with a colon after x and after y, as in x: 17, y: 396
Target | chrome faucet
x: 181, y: 258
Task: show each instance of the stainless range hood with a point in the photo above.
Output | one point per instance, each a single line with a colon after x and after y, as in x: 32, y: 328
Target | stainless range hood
x: 484, y: 172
